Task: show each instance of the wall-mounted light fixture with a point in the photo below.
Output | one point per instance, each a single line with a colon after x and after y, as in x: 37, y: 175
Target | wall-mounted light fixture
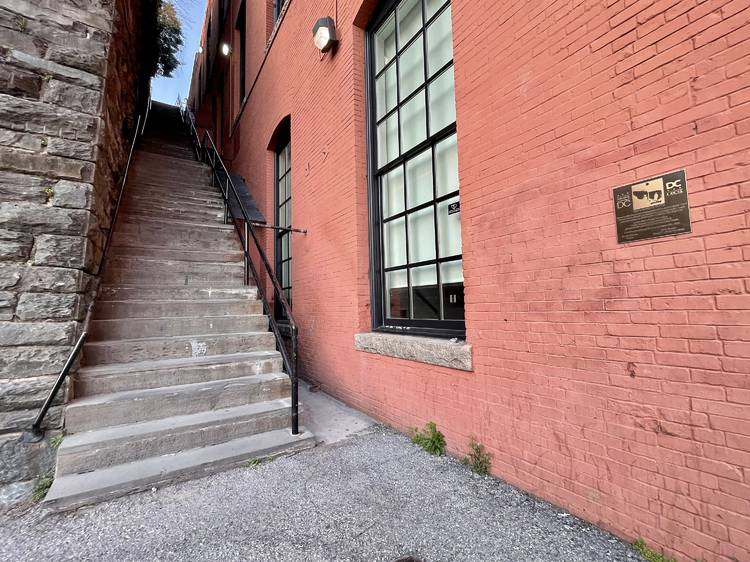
x: 200, y: 49
x: 324, y: 34
x: 225, y: 50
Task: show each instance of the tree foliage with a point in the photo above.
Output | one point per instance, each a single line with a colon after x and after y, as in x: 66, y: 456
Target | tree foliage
x: 169, y: 39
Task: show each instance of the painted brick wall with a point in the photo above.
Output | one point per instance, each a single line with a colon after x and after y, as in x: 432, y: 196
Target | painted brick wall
x: 612, y: 380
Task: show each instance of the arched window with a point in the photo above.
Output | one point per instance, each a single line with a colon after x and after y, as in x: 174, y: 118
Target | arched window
x: 282, y: 146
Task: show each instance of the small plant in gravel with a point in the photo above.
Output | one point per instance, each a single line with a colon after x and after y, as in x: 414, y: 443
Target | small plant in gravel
x: 478, y: 459
x: 430, y: 439
x: 254, y: 463
x: 55, y: 441
x: 640, y: 546
x: 42, y: 484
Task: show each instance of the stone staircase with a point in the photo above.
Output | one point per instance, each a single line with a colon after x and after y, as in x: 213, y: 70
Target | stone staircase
x: 180, y: 374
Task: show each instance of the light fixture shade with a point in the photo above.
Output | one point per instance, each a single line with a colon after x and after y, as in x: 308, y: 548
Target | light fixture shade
x: 225, y: 49
x: 324, y: 34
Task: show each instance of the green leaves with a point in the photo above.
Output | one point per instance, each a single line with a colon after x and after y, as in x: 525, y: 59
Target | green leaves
x: 430, y: 439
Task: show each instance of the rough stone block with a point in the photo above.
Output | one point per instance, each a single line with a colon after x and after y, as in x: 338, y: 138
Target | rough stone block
x: 17, y: 82
x: 22, y: 187
x: 46, y: 164
x: 46, y: 306
x: 23, y: 461
x: 62, y: 251
x: 21, y: 139
x: 25, y: 361
x: 72, y: 97
x: 27, y: 393
x: 15, y: 246
x: 435, y: 351
x: 15, y: 495
x: 10, y: 275
x: 71, y: 149
x: 45, y: 118
x: 73, y: 195
x: 54, y: 279
x: 41, y: 219
x: 48, y: 67
x: 37, y: 333
x: 76, y: 58
x: 7, y: 305
x: 21, y: 420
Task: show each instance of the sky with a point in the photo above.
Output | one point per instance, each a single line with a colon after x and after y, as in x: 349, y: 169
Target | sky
x: 166, y: 89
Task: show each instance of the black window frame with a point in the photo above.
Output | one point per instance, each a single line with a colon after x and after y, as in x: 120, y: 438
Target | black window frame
x: 277, y: 6
x: 380, y: 322
x: 282, y: 142
x: 241, y: 26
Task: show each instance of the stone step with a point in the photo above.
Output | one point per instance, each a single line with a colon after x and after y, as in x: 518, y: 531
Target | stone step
x: 126, y: 328
x: 149, y: 263
x: 218, y: 276
x: 167, y: 202
x: 175, y: 212
x: 159, y: 252
x: 153, y: 174
x: 106, y: 379
x: 195, y: 345
x: 162, y: 162
x: 180, y: 193
x: 106, y: 309
x: 75, y: 490
x: 143, y: 231
x: 102, y: 448
x: 134, y: 406
x: 175, y: 293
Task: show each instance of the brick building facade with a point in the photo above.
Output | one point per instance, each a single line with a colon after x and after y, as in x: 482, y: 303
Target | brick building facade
x: 612, y: 379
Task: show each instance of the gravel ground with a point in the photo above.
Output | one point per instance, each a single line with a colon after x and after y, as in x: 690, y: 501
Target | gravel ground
x: 373, y: 497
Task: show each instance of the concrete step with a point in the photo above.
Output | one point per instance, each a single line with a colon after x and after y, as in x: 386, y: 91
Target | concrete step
x: 118, y: 377
x: 75, y: 490
x: 146, y: 308
x: 101, y: 448
x: 161, y: 161
x: 168, y: 202
x: 170, y: 293
x: 163, y: 347
x: 148, y: 263
x: 161, y: 253
x: 134, y: 406
x: 125, y: 328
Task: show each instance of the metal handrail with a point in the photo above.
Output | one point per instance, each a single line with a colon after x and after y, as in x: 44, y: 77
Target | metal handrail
x: 36, y: 428
x: 207, y: 152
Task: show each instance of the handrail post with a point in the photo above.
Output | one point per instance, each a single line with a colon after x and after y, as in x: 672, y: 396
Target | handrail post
x: 295, y: 384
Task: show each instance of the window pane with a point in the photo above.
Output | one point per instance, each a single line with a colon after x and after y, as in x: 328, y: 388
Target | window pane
x: 442, y: 102
x: 425, y: 294
x: 393, y: 192
x: 388, y: 140
x: 288, y: 151
x: 281, y: 157
x: 387, y: 96
x: 288, y: 181
x: 285, y: 246
x: 422, y: 235
x: 288, y: 206
x: 394, y: 243
x: 439, y: 42
x: 413, y: 122
x: 385, y: 44
x: 396, y: 295
x: 285, y: 274
x: 282, y: 190
x: 411, y: 69
x: 409, y: 20
x: 449, y: 229
x: 446, y: 166
x: 419, y: 179
x: 452, y: 279
x: 432, y: 7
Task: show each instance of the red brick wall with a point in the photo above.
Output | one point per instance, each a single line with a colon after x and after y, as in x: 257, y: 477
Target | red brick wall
x: 612, y: 380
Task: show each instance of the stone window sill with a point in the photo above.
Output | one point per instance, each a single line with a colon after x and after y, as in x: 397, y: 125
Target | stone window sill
x: 434, y: 351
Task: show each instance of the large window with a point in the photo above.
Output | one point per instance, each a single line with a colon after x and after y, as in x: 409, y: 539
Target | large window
x: 284, y: 219
x: 277, y: 5
x: 415, y: 208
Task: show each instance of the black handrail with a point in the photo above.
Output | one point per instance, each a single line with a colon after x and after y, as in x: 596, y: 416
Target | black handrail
x: 36, y: 428
x: 206, y: 152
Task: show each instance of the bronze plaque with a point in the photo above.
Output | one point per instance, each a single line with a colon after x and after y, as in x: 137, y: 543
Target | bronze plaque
x: 652, y: 208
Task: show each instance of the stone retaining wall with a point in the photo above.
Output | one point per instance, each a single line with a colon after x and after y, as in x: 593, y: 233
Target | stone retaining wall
x: 70, y: 78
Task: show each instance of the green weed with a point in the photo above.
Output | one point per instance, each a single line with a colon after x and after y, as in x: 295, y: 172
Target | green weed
x: 640, y: 546
x: 430, y: 439
x: 478, y: 459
